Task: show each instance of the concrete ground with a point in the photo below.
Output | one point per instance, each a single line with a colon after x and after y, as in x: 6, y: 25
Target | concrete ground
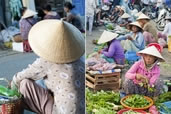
x: 97, y: 31
x: 12, y: 62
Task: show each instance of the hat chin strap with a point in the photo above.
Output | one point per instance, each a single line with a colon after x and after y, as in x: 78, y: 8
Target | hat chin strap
x: 148, y: 67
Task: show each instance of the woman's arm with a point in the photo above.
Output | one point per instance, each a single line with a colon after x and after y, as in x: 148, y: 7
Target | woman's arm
x: 132, y: 72
x: 138, y: 42
x: 155, y: 76
x: 110, y: 51
x: 35, y: 71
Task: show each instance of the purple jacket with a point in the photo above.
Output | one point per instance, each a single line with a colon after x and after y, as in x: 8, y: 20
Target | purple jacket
x: 139, y: 68
x: 52, y: 15
x: 25, y: 26
x: 115, y: 51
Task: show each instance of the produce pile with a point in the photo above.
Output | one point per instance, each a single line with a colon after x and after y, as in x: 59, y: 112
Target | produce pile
x: 7, y: 95
x: 102, y: 102
x: 165, y: 97
x: 136, y: 101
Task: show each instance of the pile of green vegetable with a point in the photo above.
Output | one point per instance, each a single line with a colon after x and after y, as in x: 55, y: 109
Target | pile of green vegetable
x: 131, y: 112
x: 136, y: 101
x: 109, y: 27
x: 102, y: 102
x: 161, y: 99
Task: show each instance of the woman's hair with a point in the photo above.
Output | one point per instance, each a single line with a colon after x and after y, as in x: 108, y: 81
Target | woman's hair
x: 139, y: 29
x: 47, y: 7
x: 69, y: 5
x: 23, y: 9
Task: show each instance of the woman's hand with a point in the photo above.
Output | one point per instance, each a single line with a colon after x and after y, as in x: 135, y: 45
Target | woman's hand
x: 129, y: 38
x: 100, y: 51
x: 138, y: 77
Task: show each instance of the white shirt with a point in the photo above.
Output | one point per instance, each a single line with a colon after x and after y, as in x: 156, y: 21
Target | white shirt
x: 167, y: 29
x: 145, y: 1
x: 90, y: 7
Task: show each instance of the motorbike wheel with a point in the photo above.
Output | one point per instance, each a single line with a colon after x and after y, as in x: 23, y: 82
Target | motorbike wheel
x: 160, y: 26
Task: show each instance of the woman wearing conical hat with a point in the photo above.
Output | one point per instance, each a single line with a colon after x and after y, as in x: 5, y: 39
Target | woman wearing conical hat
x: 59, y: 46
x: 114, y: 50
x: 150, y: 30
x: 144, y: 76
x: 26, y: 22
x: 125, y: 20
x: 133, y: 41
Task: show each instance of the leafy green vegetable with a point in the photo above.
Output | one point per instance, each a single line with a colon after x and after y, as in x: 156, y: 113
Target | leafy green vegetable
x: 110, y: 27
x: 8, y: 92
x: 163, y: 98
x: 101, y: 101
x: 136, y: 101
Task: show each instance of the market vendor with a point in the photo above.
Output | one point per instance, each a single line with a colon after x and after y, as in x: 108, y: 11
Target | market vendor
x: 61, y: 68
x: 71, y: 17
x: 49, y: 14
x: 144, y: 76
x: 150, y: 30
x: 126, y: 19
x: 133, y: 41
x: 26, y: 23
x: 114, y: 49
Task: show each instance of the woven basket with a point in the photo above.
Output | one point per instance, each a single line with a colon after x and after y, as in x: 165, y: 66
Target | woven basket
x: 143, y: 108
x: 12, y: 106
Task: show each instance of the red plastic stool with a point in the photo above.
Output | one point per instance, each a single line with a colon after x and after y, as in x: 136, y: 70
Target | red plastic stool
x: 158, y: 46
x: 26, y: 46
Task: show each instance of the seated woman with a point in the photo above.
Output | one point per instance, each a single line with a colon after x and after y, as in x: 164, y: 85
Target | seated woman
x: 149, y: 28
x: 126, y: 19
x: 49, y: 14
x: 135, y: 40
x: 114, y: 49
x: 72, y: 17
x: 58, y: 65
x: 26, y: 23
x: 143, y: 77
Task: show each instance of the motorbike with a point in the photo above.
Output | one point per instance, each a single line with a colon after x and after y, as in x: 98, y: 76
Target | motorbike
x: 161, y: 18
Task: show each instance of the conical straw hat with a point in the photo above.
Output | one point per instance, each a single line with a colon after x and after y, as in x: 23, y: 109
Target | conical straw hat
x: 143, y: 16
x: 138, y: 14
x: 152, y: 50
x: 125, y: 15
x: 135, y: 24
x: 29, y: 13
x: 57, y: 41
x: 106, y: 37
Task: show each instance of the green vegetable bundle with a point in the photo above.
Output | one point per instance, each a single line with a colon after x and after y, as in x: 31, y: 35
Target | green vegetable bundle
x: 136, y: 101
x: 110, y: 27
x: 101, y: 102
x: 8, y: 92
x: 163, y: 98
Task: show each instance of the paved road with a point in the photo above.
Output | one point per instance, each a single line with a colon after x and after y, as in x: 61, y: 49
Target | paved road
x: 12, y: 62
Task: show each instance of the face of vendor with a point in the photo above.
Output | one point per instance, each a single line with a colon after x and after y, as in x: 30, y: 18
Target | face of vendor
x: 66, y: 9
x: 135, y: 29
x: 149, y: 59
